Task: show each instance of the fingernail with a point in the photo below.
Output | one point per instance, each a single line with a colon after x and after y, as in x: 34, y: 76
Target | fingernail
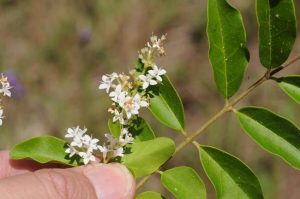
x: 111, y: 181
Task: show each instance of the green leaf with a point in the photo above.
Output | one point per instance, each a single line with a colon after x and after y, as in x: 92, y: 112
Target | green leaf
x: 272, y: 132
x: 230, y: 176
x: 42, y: 149
x: 183, y: 183
x: 114, y: 128
x: 277, y: 30
x: 149, y: 195
x: 167, y: 107
x: 139, y: 66
x: 146, y: 157
x: 291, y: 86
x: 227, y: 46
x: 141, y: 130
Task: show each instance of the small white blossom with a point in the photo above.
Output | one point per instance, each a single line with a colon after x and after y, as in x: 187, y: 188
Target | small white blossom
x: 125, y: 137
x: 77, y: 135
x: 81, y: 144
x: 118, y: 152
x: 118, y: 116
x: 146, y: 56
x: 71, y: 150
x: 157, y: 72
x: 75, y: 132
x: 87, y: 157
x: 104, y: 150
x: 130, y: 107
x: 157, y: 43
x: 5, y: 89
x: 139, y: 101
x: 90, y: 143
x: 147, y: 80
x: 107, y: 81
x: 118, y: 94
x: 77, y: 141
x: 110, y: 139
x: 1, y: 117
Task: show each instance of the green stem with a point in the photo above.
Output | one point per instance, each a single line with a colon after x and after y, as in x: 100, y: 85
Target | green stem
x: 228, y: 107
x: 142, y: 182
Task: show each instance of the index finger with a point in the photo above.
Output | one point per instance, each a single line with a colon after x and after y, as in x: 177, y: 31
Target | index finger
x: 10, y: 167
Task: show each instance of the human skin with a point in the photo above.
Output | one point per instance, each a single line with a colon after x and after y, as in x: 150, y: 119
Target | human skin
x: 27, y: 179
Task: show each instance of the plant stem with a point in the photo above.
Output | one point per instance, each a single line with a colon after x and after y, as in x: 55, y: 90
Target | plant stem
x: 142, y: 182
x: 228, y: 107
x: 190, y: 138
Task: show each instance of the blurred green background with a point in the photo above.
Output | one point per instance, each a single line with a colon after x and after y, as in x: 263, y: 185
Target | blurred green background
x: 56, y: 52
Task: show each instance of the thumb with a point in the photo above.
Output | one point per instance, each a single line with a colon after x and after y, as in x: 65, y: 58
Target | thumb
x: 104, y: 181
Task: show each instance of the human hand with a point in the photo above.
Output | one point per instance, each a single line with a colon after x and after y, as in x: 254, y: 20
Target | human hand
x: 27, y: 179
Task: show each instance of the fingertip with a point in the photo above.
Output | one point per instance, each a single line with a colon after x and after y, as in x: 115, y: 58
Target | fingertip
x: 111, y: 181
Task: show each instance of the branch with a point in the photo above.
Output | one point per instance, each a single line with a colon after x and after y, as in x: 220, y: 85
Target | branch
x: 228, y: 107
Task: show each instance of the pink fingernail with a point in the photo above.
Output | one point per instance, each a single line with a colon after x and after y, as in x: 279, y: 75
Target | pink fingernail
x: 111, y: 181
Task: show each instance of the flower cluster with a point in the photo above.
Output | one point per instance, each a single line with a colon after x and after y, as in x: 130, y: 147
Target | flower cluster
x: 81, y: 144
x: 128, y: 93
x: 5, y: 91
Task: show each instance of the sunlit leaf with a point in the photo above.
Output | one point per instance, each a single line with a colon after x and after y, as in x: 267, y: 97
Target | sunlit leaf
x: 144, y: 158
x: 227, y: 46
x: 277, y: 30
x: 230, y: 176
x: 274, y: 133
x: 291, y: 86
x: 184, y: 183
x: 114, y: 128
x: 149, y: 195
x: 141, y: 130
x: 167, y: 107
x: 42, y: 149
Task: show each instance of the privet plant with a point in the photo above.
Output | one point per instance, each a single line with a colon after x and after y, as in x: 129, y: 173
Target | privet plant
x: 133, y: 143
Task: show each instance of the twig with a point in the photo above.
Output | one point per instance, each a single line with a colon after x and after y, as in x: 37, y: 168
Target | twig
x: 228, y: 107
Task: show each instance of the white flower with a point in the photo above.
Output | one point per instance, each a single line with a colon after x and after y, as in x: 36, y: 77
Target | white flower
x: 72, y: 151
x: 157, y: 72
x: 146, y: 56
x: 104, y: 150
x: 87, y: 157
x: 125, y: 137
x: 1, y: 116
x: 110, y: 139
x: 77, y: 141
x: 5, y: 89
x: 118, y: 117
x: 124, y: 131
x: 139, y: 101
x: 157, y: 44
x: 107, y: 81
x: 77, y: 136
x: 147, y: 80
x: 130, y: 107
x: 81, y: 144
x: 118, y: 152
x: 75, y: 131
x: 90, y: 143
x: 118, y: 94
